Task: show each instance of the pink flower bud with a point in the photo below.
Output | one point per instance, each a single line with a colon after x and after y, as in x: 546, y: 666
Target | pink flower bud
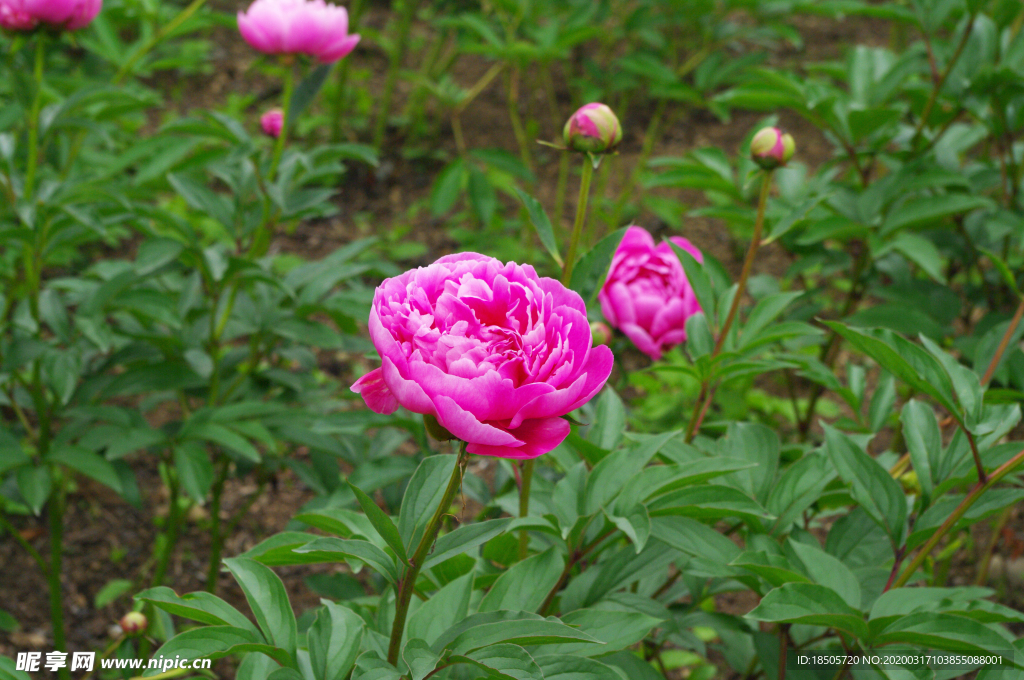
x: 772, y: 148
x: 592, y: 129
x: 601, y: 332
x: 272, y: 121
x: 133, y: 623
x: 309, y: 27
x: 69, y: 15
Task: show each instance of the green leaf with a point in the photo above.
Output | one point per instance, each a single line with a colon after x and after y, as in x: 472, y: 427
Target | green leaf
x: 919, y: 250
x: 447, y: 188
x: 766, y: 311
x: 775, y: 569
x: 420, y: 659
x: 616, y: 628
x: 306, y: 91
x: 609, y: 420
x: 8, y: 624
x: 693, y: 538
x: 195, y: 469
x: 710, y: 501
x: 826, y: 570
x: 927, y: 210
x: 502, y: 662
x: 443, y: 610
x: 35, y: 485
x: 334, y: 640
x: 1004, y: 270
x: 797, y: 489
x: 215, y: 642
x: 943, y: 631
x: 699, y: 280
x: 966, y: 384
x: 88, y: 463
x: 382, y: 523
x: 464, y: 539
x: 360, y: 550
x: 11, y: 453
x: 810, y: 604
x: 369, y: 666
x: 482, y: 197
x: 924, y: 442
x: 198, y: 606
x: 218, y: 434
x: 908, y: 363
x: 422, y: 496
x: 759, y: 445
x: 873, y: 487
x: 110, y: 591
x: 525, y: 585
x: 606, y: 479
x: 559, y: 667
x: 541, y: 223
x: 513, y: 627
x: 268, y: 600
x: 9, y: 670
x: 635, y: 522
x: 589, y: 273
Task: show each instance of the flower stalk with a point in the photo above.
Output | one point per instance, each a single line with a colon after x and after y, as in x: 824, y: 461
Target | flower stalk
x: 33, y: 120
x: 407, y: 583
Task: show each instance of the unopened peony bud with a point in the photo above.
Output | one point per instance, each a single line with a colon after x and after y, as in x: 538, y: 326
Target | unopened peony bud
x: 601, y: 332
x: 272, y: 122
x: 133, y: 623
x: 436, y: 430
x: 592, y: 129
x: 772, y: 148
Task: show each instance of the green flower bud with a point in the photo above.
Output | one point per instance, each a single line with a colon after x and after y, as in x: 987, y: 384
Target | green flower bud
x: 772, y: 148
x: 133, y: 623
x: 592, y: 129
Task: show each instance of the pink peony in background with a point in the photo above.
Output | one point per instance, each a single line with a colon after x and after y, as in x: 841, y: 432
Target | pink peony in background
x: 71, y: 15
x: 272, y: 122
x: 647, y: 296
x: 496, y: 353
x: 298, y: 27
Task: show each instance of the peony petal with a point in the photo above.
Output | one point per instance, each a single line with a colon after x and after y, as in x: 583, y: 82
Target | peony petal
x: 408, y: 393
x: 539, y: 436
x: 334, y: 51
x: 642, y: 340
x: 467, y: 427
x: 375, y: 392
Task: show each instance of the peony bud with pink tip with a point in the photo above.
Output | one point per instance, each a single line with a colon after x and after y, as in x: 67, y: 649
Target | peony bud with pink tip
x: 133, y: 623
x: 592, y: 129
x: 68, y: 15
x: 272, y: 121
x: 772, y: 148
x: 601, y: 332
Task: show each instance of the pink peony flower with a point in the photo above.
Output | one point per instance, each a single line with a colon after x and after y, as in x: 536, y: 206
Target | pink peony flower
x: 25, y: 15
x: 272, y: 121
x: 496, y: 353
x: 647, y: 295
x: 298, y: 27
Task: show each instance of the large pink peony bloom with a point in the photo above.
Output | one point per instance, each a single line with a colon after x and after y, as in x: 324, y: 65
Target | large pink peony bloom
x: 25, y: 15
x: 647, y: 295
x: 298, y: 27
x: 496, y: 353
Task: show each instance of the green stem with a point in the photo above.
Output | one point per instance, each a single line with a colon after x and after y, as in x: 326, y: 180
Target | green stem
x: 707, y: 391
x: 20, y: 540
x: 650, y: 138
x: 517, y: 122
x: 286, y: 107
x: 524, y: 506
x: 55, y: 510
x: 171, y: 26
x: 171, y: 532
x: 401, y: 44
x: 748, y: 263
x: 408, y: 581
x: 955, y: 516
x: 933, y: 97
x: 581, y: 218
x: 216, y: 536
x: 33, y: 120
x: 340, y: 103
